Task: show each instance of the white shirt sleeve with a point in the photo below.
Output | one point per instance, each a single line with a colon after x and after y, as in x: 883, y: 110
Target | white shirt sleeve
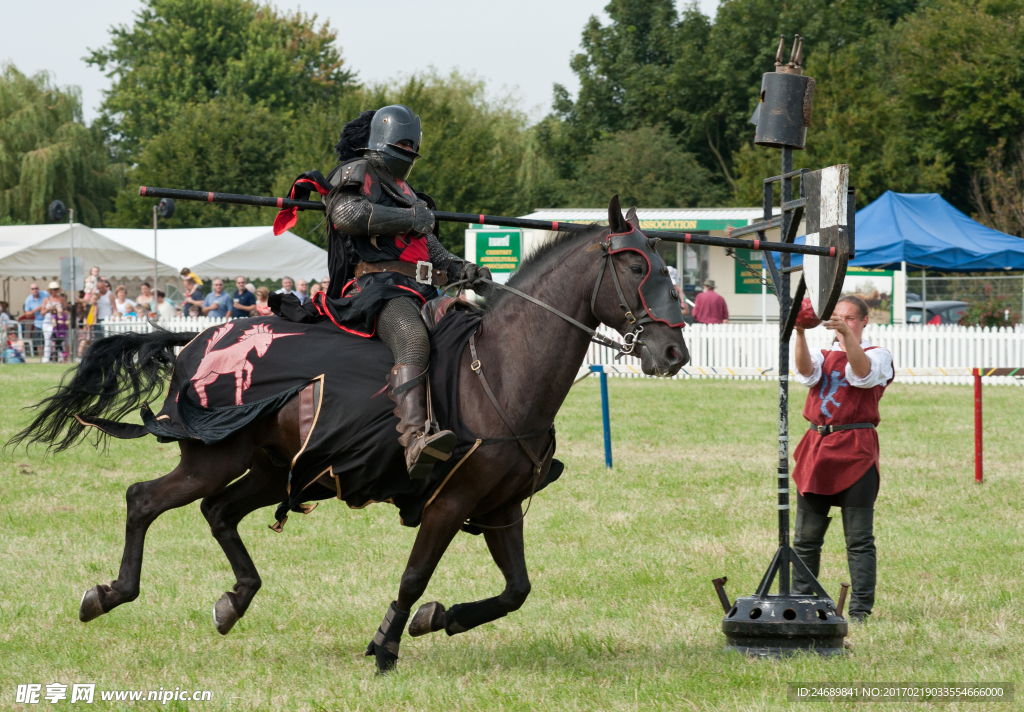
x: 817, y: 358
x: 881, y: 370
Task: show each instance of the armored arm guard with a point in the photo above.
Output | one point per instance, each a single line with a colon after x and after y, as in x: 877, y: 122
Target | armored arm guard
x: 442, y: 259
x: 354, y: 214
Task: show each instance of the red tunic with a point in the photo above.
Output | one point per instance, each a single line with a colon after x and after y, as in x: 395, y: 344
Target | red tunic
x: 828, y: 464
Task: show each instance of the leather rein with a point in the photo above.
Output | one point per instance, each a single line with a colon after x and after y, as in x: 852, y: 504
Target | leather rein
x: 628, y: 346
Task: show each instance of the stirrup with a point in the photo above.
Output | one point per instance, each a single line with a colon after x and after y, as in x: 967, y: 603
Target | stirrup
x: 429, y: 449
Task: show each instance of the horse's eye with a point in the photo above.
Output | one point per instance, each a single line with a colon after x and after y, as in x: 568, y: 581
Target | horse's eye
x: 637, y: 269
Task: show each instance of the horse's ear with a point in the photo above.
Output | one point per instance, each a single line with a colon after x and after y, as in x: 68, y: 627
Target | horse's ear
x: 632, y: 219
x: 616, y: 222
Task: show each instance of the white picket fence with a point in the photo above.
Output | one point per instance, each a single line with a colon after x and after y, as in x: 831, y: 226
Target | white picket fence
x: 757, y: 346
x: 912, y: 346
x: 177, y: 324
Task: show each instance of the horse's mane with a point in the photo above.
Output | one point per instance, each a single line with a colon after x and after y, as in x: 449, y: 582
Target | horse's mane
x: 541, y: 259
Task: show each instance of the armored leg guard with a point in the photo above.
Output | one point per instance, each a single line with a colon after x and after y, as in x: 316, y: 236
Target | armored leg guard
x: 858, y: 524
x: 422, y: 448
x: 384, y: 645
x: 808, y: 537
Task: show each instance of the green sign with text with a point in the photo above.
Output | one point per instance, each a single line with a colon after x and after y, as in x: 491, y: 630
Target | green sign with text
x: 499, y: 250
x: 747, y: 283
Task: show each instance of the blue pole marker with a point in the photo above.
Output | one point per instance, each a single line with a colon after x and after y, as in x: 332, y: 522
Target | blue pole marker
x: 605, y: 416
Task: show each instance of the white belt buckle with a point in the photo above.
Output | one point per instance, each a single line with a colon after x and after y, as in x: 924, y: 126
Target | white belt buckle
x: 424, y: 272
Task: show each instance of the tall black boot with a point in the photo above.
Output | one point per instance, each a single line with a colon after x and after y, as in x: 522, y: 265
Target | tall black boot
x: 858, y: 525
x: 422, y: 449
x: 808, y: 537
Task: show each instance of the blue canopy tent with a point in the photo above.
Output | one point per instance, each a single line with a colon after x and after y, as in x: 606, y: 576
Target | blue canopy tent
x: 923, y: 230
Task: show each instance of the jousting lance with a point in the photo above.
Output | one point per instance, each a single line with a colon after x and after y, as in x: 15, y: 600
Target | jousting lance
x: 499, y: 221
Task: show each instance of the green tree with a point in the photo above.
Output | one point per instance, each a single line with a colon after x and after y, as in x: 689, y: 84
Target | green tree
x: 180, y: 52
x: 961, y: 81
x: 46, y: 152
x: 643, y: 69
x: 227, y: 145
x: 654, y: 66
x: 645, y: 167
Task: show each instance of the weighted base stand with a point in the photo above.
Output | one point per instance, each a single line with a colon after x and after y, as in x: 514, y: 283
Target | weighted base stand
x: 777, y: 625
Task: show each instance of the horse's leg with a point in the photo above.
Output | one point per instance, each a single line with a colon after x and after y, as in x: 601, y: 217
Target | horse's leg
x: 200, y: 384
x: 203, y: 470
x: 441, y: 522
x: 506, y: 547
x: 239, y: 380
x: 266, y: 484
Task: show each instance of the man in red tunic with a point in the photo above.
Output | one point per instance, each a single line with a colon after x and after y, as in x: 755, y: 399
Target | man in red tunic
x: 837, y: 459
x: 709, y: 307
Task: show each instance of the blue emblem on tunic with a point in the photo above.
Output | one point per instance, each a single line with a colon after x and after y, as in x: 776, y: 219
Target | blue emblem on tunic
x: 832, y: 382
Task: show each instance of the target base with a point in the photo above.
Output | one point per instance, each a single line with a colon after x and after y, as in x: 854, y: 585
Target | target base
x: 776, y: 626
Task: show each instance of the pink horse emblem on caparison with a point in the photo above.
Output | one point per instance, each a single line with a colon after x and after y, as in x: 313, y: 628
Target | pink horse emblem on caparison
x: 233, y: 359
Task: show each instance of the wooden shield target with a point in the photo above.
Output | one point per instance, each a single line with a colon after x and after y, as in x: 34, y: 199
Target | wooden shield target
x: 829, y: 224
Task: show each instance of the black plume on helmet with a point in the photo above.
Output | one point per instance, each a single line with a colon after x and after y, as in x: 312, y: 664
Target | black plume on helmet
x: 355, y: 137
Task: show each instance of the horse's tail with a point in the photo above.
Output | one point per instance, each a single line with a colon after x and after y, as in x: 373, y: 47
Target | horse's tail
x: 117, y: 375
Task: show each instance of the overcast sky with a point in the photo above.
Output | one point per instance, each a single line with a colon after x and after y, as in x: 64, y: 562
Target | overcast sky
x: 523, y: 45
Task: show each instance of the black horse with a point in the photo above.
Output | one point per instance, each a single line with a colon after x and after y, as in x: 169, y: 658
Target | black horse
x: 531, y: 357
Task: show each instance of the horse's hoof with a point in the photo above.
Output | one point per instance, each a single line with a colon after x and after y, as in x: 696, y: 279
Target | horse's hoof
x: 429, y: 618
x: 90, y: 608
x: 224, y: 614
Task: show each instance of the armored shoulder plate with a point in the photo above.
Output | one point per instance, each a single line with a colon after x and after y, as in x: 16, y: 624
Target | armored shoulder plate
x: 351, y: 173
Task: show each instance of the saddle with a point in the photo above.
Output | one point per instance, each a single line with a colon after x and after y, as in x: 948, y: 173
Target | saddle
x: 434, y: 310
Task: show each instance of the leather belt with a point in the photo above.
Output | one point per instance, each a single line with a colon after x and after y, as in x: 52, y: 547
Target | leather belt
x: 422, y: 272
x: 824, y: 430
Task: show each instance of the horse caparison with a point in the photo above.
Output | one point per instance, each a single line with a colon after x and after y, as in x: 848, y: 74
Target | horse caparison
x: 531, y: 358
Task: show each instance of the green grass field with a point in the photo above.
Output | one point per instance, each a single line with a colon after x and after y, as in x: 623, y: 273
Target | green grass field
x: 622, y: 615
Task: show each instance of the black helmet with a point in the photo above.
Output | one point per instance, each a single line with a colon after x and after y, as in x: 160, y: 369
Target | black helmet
x: 390, y: 126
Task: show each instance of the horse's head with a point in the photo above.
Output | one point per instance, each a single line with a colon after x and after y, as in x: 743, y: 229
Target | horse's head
x: 634, y: 295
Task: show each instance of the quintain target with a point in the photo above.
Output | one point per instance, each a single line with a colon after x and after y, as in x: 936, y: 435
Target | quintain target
x: 767, y: 624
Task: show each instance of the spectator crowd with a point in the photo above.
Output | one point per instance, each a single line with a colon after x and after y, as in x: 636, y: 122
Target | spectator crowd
x: 45, y: 325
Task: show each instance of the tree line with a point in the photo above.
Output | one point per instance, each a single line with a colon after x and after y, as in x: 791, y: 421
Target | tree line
x: 238, y: 96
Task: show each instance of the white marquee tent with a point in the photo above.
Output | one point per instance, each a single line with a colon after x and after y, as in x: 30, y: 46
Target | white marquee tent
x: 227, y: 252
x: 34, y: 252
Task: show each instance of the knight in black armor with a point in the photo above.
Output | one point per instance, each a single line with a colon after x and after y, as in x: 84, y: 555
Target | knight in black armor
x: 386, y: 261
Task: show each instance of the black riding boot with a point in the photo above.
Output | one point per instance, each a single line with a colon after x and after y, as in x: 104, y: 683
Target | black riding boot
x: 858, y: 525
x: 808, y: 537
x: 422, y: 449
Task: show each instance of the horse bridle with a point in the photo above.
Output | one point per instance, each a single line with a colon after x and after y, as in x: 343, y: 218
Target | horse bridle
x: 630, y: 340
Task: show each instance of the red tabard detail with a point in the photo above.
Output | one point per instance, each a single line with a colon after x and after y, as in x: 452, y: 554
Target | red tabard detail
x: 831, y: 463
x: 405, y: 188
x: 414, y: 249
x: 367, y: 184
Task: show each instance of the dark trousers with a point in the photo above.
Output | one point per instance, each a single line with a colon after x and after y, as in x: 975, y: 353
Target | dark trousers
x: 857, y: 504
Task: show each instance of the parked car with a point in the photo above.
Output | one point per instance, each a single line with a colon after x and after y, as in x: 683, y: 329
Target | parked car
x: 938, y: 312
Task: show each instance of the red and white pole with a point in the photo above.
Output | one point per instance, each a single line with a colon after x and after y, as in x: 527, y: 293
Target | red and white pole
x: 977, y: 426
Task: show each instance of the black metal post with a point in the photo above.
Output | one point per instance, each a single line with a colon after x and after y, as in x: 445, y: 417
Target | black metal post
x: 784, y: 307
